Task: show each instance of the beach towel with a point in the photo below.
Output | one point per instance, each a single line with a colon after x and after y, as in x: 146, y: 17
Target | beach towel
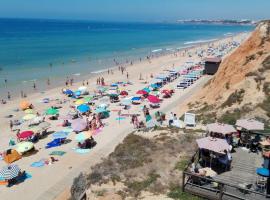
x: 57, y: 153
x: 82, y: 151
x: 97, y: 131
x: 120, y: 118
x: 55, y: 143
x: 40, y: 163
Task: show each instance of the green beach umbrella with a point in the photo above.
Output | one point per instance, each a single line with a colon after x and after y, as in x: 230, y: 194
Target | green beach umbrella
x: 88, y: 99
x: 52, y: 111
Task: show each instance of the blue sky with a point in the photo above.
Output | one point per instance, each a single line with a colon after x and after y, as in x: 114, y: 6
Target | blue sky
x: 136, y: 10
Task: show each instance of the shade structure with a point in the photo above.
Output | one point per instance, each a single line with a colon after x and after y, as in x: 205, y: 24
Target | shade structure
x: 146, y: 90
x: 142, y: 92
x: 60, y: 135
x: 28, y: 117
x: 213, y: 144
x: 135, y: 98
x: 126, y: 101
x: 88, y: 99
x: 9, y: 172
x: 82, y: 88
x: 52, y: 111
x: 100, y: 110
x: 36, y: 120
x: 12, y: 156
x: 103, y: 105
x: 250, y: 124
x: 80, y: 101
x: 124, y: 93
x: 29, y: 111
x: 68, y: 92
x: 83, y: 108
x: 263, y: 172
x: 79, y: 125
x: 83, y: 136
x: 23, y: 147
x: 153, y: 99
x: 221, y: 128
x: 25, y: 134
x: 25, y: 105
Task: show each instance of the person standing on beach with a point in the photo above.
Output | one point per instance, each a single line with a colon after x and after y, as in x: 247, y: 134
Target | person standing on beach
x: 21, y: 93
x: 83, y: 83
x: 127, y: 75
x: 8, y: 96
x: 5, y: 82
x: 87, y: 83
x: 34, y: 85
x: 48, y: 81
x: 11, y: 125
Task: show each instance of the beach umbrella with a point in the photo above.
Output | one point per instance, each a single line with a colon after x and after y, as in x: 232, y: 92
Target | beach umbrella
x: 103, y: 105
x: 100, y: 110
x: 60, y: 135
x: 23, y: 147
x: 9, y: 172
x: 77, y: 93
x: 135, y: 98
x: 213, y: 144
x: 29, y: 117
x: 29, y: 111
x: 220, y: 128
x: 124, y: 93
x: 44, y: 125
x: 83, y: 108
x: 83, y: 136
x: 127, y: 101
x: 153, y: 99
x: 250, y: 124
x: 80, y: 101
x: 45, y: 100
x: 36, y: 120
x: 51, y: 111
x: 88, y: 99
x: 101, y: 89
x: 142, y: 92
x: 146, y: 90
x: 24, y: 105
x: 114, y: 85
x: 79, y: 124
x: 25, y: 134
x: 68, y: 92
x: 82, y: 88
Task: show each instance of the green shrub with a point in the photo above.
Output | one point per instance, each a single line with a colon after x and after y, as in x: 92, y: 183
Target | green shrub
x: 182, y: 164
x: 177, y: 194
x: 235, y: 97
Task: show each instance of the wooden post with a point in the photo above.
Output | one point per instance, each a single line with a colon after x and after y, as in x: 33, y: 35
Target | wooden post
x: 221, y: 188
x: 183, y: 181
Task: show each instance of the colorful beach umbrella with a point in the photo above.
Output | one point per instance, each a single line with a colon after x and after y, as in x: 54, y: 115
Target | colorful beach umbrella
x: 77, y: 93
x: 23, y: 147
x: 68, y: 92
x: 25, y: 105
x: 79, y: 125
x: 88, y: 99
x: 83, y: 108
x: 9, y: 172
x: 29, y: 117
x: 25, y: 134
x: 52, y: 111
x: 146, y: 90
x: 100, y: 110
x: 124, y: 93
x: 83, y: 136
x: 153, y: 99
x: 80, y: 101
x: 142, y: 92
x: 135, y: 98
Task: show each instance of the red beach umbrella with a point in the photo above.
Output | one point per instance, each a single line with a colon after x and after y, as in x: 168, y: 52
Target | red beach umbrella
x: 142, y: 92
x: 25, y: 134
x: 124, y: 93
x: 153, y: 99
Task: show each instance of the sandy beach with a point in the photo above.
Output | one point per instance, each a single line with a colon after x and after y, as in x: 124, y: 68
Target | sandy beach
x: 52, y: 181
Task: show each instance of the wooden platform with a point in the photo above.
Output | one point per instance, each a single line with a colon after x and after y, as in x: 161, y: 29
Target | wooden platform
x: 243, y: 172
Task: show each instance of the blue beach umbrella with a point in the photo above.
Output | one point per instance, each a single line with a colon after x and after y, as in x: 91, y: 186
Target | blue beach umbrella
x: 83, y: 108
x: 68, y: 92
x: 136, y: 99
x: 9, y: 172
x: 101, y: 110
x: 77, y: 93
x: 147, y: 90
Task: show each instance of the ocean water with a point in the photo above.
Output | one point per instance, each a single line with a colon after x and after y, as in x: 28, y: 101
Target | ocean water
x: 35, y: 50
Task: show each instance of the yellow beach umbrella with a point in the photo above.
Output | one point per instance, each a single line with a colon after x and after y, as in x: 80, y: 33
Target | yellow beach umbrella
x: 23, y: 147
x: 79, y: 102
x: 29, y: 117
x: 29, y: 111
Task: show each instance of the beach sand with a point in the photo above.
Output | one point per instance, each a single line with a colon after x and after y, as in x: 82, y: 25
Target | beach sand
x: 51, y: 181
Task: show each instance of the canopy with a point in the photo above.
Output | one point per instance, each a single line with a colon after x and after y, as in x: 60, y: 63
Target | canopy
x: 146, y: 90
x: 79, y: 124
x: 153, y: 99
x: 88, y: 99
x: 136, y: 99
x: 25, y: 134
x: 29, y: 117
x: 142, y: 92
x: 52, y: 111
x: 80, y: 101
x: 221, y: 128
x: 82, y: 88
x: 101, y: 110
x: 77, y: 93
x: 23, y: 147
x: 10, y: 172
x: 83, y: 108
x: 126, y: 101
x: 83, y: 136
x: 213, y: 144
x: 68, y: 92
x: 24, y: 105
x: 12, y: 156
x: 124, y: 93
x: 250, y: 124
x: 263, y: 172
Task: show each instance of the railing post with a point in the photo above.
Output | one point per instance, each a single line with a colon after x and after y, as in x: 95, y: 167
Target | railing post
x: 183, y: 181
x: 221, y: 188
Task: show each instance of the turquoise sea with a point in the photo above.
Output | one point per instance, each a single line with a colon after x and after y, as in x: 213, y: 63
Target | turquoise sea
x: 35, y: 50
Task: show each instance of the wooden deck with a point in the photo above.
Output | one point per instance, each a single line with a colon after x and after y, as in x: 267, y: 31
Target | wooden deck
x: 243, y: 171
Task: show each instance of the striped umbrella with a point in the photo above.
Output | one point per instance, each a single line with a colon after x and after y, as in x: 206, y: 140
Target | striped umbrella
x: 10, y: 172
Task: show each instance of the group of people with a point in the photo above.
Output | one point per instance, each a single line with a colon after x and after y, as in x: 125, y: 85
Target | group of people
x: 100, y: 81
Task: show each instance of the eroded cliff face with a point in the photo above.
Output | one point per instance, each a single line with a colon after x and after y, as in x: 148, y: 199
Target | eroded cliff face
x: 242, y: 84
